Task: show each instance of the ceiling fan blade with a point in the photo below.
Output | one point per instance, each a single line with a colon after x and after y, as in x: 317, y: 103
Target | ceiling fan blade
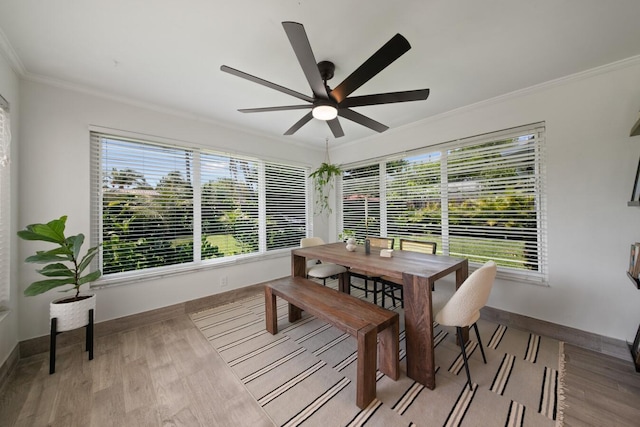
x: 386, y: 98
x: 360, y: 119
x: 335, y: 127
x: 283, y: 108
x: 302, y: 48
x: 307, y: 117
x: 392, y: 50
x: 265, y: 83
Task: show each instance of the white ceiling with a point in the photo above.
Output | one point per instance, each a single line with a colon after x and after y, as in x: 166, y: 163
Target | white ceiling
x: 168, y: 53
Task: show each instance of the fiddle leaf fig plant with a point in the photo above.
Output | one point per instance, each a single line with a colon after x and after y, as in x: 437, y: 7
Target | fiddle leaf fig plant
x: 67, y: 250
x: 323, y: 179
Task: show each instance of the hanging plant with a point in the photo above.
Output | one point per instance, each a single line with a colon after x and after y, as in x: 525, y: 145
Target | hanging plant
x: 323, y: 182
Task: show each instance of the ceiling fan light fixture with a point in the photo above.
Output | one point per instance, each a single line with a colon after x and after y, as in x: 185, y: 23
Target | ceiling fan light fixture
x: 324, y: 112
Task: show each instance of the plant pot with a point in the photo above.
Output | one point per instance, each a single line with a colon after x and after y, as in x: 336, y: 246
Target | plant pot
x: 72, y: 314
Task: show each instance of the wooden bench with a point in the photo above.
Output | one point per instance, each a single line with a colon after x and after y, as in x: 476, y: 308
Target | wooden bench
x: 357, y: 317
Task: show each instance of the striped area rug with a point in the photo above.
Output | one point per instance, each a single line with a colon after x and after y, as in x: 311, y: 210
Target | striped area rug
x: 306, y: 373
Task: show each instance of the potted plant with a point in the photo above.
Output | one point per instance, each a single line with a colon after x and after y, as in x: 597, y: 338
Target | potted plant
x: 70, y: 312
x: 323, y: 179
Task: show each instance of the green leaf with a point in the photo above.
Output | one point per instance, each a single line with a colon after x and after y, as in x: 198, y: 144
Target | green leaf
x: 89, y: 277
x: 53, y: 231
x: 43, y: 258
x: 75, y: 244
x: 57, y: 270
x: 86, y: 260
x: 42, y: 286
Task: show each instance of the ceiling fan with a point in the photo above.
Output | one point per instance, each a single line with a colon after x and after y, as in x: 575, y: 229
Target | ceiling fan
x: 326, y: 103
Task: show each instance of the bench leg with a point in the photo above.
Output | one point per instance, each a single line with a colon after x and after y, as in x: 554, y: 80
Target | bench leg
x: 390, y: 350
x: 294, y: 313
x: 367, y: 361
x: 270, y: 311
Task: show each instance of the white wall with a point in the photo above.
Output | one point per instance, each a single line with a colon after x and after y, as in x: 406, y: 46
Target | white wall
x: 591, y: 165
x: 54, y: 181
x: 9, y: 324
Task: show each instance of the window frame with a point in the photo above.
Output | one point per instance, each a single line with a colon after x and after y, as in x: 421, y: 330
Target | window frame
x: 5, y: 204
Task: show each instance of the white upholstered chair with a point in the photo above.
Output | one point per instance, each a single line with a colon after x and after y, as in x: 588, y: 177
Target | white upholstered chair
x: 316, y: 269
x: 463, y: 308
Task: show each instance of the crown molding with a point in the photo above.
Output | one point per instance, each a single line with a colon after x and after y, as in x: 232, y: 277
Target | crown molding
x: 6, y: 50
x: 49, y: 81
x: 582, y: 75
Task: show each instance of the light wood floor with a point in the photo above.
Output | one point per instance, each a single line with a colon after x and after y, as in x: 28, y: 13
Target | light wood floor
x: 600, y: 390
x: 167, y: 374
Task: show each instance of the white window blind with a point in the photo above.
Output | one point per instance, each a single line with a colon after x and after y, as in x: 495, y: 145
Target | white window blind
x: 230, y: 204
x: 148, y: 214
x: 495, y: 199
x: 286, y: 205
x: 361, y: 200
x: 5, y: 223
x: 480, y: 198
x: 413, y: 198
x: 147, y: 205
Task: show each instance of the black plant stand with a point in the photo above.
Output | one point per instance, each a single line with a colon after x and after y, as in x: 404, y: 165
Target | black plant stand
x: 54, y: 334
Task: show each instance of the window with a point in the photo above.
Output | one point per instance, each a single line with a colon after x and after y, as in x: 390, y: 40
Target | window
x: 161, y: 205
x: 480, y: 198
x: 361, y: 200
x: 5, y: 139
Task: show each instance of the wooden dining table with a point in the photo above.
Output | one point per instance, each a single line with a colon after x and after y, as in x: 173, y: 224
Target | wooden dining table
x: 417, y: 271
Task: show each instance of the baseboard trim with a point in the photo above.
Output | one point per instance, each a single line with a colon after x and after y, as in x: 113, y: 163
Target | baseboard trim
x: 39, y: 345
x: 599, y: 343
x: 7, y: 367
x: 34, y: 346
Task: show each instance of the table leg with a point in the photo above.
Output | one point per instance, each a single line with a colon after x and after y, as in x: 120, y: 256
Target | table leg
x: 343, y: 282
x: 418, y: 320
x: 298, y: 266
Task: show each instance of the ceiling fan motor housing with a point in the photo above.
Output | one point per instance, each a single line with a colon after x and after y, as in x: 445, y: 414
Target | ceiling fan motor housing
x: 326, y: 69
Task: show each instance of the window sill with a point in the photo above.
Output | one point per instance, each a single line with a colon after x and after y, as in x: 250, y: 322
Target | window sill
x: 513, y: 275
x: 133, y: 277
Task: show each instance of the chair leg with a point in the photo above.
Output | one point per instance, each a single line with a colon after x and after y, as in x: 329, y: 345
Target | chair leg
x: 393, y: 290
x: 464, y: 356
x: 393, y: 294
x: 475, y: 326
x: 375, y: 291
x: 384, y: 286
